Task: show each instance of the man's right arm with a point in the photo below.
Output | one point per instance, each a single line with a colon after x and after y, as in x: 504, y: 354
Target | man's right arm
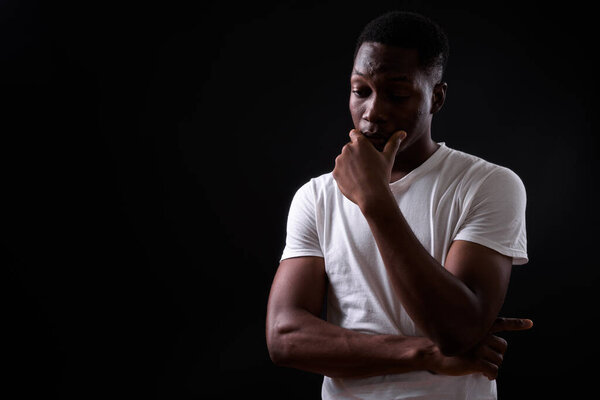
x: 297, y: 337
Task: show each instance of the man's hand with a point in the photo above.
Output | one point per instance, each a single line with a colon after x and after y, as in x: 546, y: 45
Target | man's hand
x: 363, y: 173
x: 486, y: 358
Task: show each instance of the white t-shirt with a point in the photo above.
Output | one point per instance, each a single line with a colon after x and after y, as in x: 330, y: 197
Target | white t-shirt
x: 451, y: 196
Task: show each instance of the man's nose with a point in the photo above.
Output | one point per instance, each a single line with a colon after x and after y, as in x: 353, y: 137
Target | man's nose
x: 375, y: 110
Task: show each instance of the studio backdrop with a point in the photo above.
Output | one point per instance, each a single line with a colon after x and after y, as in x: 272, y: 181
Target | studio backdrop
x: 150, y: 153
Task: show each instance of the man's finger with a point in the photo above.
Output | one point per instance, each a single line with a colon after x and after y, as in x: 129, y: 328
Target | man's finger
x: 354, y: 135
x: 497, y: 343
x: 511, y: 324
x: 491, y: 355
x: 488, y: 369
x: 391, y: 147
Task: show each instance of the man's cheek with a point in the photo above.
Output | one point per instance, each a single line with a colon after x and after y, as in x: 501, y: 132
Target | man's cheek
x: 411, y: 118
x: 356, y: 114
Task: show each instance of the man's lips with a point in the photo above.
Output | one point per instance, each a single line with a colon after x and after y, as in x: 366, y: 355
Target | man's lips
x: 377, y: 134
x: 377, y: 139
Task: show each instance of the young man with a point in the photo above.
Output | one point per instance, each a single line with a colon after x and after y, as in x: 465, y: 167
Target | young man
x: 412, y: 241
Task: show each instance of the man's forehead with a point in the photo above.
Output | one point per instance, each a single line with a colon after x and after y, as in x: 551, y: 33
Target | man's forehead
x: 377, y: 58
x: 372, y: 68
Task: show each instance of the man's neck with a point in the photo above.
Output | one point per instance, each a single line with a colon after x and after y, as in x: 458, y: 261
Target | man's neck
x: 412, y: 157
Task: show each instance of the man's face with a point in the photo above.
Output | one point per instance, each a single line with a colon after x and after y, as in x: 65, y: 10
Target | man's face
x: 390, y: 92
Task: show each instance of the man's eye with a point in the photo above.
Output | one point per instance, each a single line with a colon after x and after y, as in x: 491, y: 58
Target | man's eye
x: 360, y: 93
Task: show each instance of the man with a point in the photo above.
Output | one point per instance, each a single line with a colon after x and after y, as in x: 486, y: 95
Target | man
x: 412, y: 241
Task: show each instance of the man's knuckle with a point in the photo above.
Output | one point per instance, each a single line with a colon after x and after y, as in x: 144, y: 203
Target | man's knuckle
x: 338, y: 161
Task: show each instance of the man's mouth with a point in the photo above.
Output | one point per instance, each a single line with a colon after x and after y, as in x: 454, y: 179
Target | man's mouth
x: 377, y: 139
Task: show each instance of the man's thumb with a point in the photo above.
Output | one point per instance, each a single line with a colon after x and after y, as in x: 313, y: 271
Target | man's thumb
x: 391, y: 147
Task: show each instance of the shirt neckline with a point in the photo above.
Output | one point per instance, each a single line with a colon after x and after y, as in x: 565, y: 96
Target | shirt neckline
x: 427, y: 165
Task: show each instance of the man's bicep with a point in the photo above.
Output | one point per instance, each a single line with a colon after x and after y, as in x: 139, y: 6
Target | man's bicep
x: 299, y: 284
x: 485, y: 271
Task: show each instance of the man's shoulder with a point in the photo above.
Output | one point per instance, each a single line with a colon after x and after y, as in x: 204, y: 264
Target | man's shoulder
x: 317, y: 188
x: 475, y: 168
x: 466, y: 160
x: 324, y: 182
x: 472, y: 165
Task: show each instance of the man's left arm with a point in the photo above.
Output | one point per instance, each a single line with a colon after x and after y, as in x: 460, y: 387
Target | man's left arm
x: 454, y: 305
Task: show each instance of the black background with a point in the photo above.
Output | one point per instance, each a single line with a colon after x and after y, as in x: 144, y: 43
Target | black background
x: 150, y: 151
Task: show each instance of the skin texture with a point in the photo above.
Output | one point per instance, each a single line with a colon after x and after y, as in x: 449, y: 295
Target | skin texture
x: 392, y: 103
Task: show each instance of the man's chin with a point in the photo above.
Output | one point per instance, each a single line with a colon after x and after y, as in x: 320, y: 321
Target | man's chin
x: 378, y: 144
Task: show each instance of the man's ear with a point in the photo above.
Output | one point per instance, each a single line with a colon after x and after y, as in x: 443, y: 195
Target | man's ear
x: 438, y: 96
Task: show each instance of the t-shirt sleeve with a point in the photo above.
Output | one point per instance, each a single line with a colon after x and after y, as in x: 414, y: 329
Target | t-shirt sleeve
x: 496, y: 216
x: 302, y: 237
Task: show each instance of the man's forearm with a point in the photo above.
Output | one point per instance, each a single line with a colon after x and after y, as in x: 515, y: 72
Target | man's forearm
x: 438, y: 302
x: 306, y: 342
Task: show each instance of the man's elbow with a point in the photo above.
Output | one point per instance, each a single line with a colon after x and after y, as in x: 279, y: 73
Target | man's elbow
x: 279, y: 343
x: 277, y: 352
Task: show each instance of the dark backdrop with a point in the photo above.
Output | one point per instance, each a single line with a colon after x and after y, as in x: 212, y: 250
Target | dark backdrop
x: 150, y: 152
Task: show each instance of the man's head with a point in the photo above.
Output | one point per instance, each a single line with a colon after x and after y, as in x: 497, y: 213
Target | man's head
x: 396, y: 79
x: 410, y: 31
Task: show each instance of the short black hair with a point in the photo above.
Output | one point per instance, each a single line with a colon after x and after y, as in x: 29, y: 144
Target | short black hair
x: 411, y: 31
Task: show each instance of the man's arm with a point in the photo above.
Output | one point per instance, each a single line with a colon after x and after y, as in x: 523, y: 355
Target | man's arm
x: 454, y: 306
x: 297, y: 337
